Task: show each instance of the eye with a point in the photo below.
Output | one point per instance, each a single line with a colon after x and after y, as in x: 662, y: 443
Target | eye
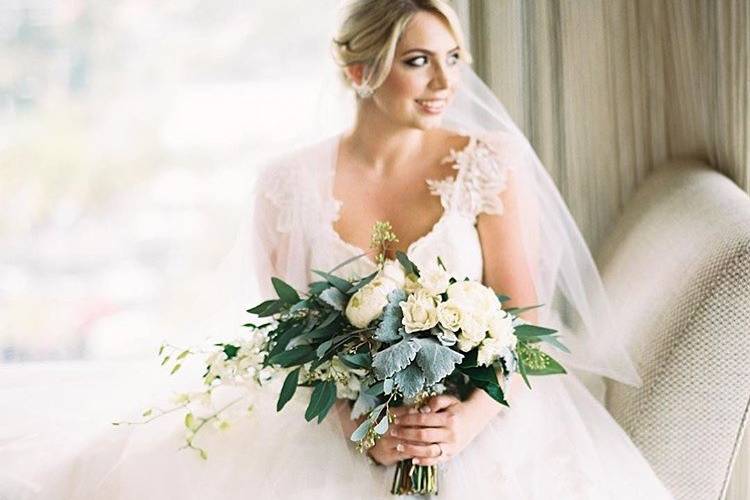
x: 417, y: 62
x: 454, y: 58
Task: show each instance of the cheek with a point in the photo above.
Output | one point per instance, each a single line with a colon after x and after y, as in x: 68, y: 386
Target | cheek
x: 405, y: 84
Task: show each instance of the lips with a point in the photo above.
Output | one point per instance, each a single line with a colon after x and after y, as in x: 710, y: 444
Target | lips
x: 432, y: 106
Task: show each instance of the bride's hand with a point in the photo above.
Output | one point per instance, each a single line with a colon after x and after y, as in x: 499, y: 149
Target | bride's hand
x: 443, y: 426
x: 388, y: 450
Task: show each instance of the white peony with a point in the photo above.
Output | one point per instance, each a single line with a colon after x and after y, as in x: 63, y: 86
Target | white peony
x: 420, y: 311
x: 473, y: 326
x: 368, y: 302
x: 473, y: 293
x: 501, y: 328
x: 434, y: 279
x: 449, y: 315
x: 489, y: 350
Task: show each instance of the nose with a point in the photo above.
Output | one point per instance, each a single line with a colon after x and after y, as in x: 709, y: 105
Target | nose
x: 440, y: 77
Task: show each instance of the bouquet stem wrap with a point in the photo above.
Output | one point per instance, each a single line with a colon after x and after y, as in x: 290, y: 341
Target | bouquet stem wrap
x: 411, y: 479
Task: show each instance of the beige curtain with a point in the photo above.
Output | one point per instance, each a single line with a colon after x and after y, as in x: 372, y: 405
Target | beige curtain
x: 607, y: 90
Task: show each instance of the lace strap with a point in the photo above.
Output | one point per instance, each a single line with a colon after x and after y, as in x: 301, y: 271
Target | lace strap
x: 482, y: 174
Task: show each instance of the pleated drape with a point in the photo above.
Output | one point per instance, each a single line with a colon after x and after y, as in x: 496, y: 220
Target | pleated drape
x: 608, y: 90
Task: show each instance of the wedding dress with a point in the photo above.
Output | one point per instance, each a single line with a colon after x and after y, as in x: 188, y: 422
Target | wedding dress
x: 555, y: 441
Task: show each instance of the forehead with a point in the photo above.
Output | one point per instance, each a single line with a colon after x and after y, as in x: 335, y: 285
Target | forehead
x: 427, y: 30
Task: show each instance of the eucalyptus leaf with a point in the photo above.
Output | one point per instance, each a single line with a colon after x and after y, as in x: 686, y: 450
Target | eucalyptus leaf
x: 527, y: 330
x: 334, y: 280
x: 382, y: 426
x: 283, y: 340
x: 515, y: 311
x: 321, y: 400
x: 285, y: 292
x: 502, y: 298
x: 261, y: 307
x: 522, y: 371
x: 375, y: 389
x: 334, y: 298
x: 288, y: 389
x: 359, y: 360
x: 554, y: 341
x: 495, y: 392
x: 436, y: 360
x: 323, y: 348
x: 552, y: 368
x: 407, y: 264
x: 364, y: 281
x: 388, y: 385
x: 394, y: 358
x: 361, y: 431
x: 296, y: 356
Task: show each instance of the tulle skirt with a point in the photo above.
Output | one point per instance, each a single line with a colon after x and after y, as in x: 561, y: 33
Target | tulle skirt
x: 57, y: 442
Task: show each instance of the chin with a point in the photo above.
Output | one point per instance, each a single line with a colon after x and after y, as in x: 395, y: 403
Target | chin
x: 427, y: 123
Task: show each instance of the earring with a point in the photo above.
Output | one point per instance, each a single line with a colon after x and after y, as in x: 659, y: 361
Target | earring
x: 363, y: 91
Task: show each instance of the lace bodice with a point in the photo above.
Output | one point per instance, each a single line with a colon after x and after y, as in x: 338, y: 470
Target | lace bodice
x: 481, y: 170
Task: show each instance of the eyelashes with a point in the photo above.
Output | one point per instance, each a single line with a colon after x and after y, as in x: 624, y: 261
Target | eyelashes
x: 421, y: 61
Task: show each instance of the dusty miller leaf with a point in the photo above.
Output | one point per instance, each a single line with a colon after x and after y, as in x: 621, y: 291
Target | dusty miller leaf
x: 410, y: 380
x: 394, y: 358
x: 387, y: 331
x: 436, y: 360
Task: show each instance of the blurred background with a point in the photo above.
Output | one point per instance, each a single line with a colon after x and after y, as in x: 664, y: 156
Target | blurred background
x: 130, y: 131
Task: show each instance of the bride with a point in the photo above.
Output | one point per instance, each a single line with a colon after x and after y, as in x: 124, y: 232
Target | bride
x: 431, y: 151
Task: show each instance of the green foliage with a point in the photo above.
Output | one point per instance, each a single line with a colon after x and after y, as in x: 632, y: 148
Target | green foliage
x: 436, y: 360
x: 321, y: 400
x: 394, y: 358
x: 230, y: 350
x: 285, y: 292
x: 334, y: 298
x: 295, y: 356
x: 407, y: 264
x: 288, y: 389
x: 531, y: 331
x: 363, y: 282
x: 358, y: 360
x: 340, y: 283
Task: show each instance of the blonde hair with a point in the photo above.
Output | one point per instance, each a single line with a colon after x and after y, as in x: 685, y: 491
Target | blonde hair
x: 370, y: 30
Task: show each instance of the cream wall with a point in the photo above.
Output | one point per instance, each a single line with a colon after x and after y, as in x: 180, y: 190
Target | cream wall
x: 606, y: 90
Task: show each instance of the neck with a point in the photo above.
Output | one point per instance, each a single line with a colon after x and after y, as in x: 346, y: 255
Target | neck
x: 380, y: 145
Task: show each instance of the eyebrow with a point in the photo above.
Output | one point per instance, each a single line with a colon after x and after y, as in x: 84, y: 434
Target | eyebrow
x: 428, y: 51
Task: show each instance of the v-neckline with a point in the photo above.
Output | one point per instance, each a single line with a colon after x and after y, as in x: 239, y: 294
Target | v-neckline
x: 338, y: 203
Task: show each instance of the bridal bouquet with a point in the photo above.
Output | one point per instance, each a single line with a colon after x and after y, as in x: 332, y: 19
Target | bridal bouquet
x: 394, y: 337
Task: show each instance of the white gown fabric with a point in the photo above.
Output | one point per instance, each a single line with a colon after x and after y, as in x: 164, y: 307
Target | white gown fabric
x: 556, y: 441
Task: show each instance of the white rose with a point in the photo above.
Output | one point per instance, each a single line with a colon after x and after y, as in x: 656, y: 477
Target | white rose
x: 393, y: 271
x: 366, y: 304
x: 434, y: 279
x: 449, y: 315
x: 501, y: 328
x: 420, y: 311
x: 489, y: 351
